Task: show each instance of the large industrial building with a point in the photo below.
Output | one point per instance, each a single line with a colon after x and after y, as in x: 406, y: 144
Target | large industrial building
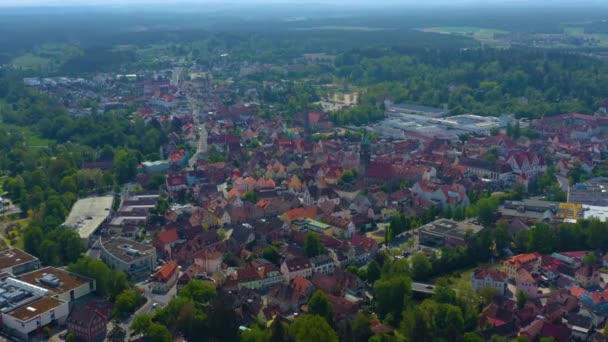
x: 408, y: 126
x: 39, y: 298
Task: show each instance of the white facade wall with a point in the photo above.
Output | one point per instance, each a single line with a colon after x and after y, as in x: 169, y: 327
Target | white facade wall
x: 22, y: 328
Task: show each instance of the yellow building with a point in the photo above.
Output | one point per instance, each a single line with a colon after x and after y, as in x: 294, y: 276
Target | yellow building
x: 570, y: 211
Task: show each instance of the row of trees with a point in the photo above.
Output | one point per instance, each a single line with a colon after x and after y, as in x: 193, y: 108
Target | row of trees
x: 195, y: 312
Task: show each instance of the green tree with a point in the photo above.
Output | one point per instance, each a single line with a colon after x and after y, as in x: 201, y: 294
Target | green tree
x: 198, y: 291
x: 501, y: 235
x: 125, y: 163
x: 117, y: 334
x: 361, y: 330
x: 279, y: 333
x: 522, y: 299
x: 312, y: 328
x: 141, y: 324
x: 391, y: 295
x: 373, y: 271
x: 312, y: 245
x: 421, y: 267
x: 589, y: 259
x: 472, y: 337
x: 158, y: 333
x: 271, y: 254
x: 488, y: 293
x: 319, y: 305
x: 109, y: 283
x: 127, y: 302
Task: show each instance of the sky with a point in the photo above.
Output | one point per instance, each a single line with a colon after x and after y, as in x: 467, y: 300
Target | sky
x: 350, y: 3
x: 333, y: 2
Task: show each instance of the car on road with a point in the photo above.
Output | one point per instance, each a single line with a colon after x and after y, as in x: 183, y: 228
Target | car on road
x: 430, y: 287
x: 154, y: 305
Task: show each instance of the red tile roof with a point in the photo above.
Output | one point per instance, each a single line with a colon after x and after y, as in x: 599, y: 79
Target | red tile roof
x: 165, y: 272
x: 301, y: 213
x: 363, y: 241
x: 167, y: 236
x: 491, y: 273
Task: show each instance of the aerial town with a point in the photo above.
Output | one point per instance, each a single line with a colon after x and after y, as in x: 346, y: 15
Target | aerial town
x: 269, y: 171
x: 268, y: 211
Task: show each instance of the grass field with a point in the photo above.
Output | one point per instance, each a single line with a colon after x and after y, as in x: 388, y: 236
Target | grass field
x: 32, y: 140
x: 574, y: 31
x: 46, y: 57
x: 31, y: 62
x: 471, y: 31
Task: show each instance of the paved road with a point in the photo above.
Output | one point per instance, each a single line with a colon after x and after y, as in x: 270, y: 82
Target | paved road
x: 563, y: 183
x: 422, y: 287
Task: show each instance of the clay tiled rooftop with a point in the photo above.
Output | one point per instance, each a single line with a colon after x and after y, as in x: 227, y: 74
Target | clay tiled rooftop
x: 35, y: 308
x: 49, y: 276
x: 165, y: 272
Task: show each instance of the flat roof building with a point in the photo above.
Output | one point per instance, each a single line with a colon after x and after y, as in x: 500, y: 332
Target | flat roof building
x: 26, y: 308
x: 446, y: 232
x: 59, y: 283
x: 88, y: 214
x: 593, y: 192
x: 28, y: 319
x: 594, y: 211
x: 16, y: 261
x: 136, y: 259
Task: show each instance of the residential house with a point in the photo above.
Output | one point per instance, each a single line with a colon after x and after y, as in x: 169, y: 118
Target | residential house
x: 209, y: 260
x: 87, y: 325
x: 526, y: 282
x: 581, y: 326
x: 164, y: 241
x: 164, y: 279
x: 289, y: 297
x: 176, y: 183
x: 445, y: 195
x: 259, y: 273
x: 322, y: 264
x: 490, y: 278
x: 530, y: 261
x: 291, y: 268
x: 367, y: 244
x: 587, y: 276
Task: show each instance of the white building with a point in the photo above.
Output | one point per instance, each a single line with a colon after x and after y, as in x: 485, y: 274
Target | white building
x: 27, y: 319
x: 490, y: 278
x: 323, y: 264
x: 60, y: 284
x: 134, y: 258
x: 292, y: 268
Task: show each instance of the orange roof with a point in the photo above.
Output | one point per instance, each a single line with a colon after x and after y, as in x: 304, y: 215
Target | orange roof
x: 165, y: 272
x: 577, y: 291
x: 523, y: 259
x: 300, y: 213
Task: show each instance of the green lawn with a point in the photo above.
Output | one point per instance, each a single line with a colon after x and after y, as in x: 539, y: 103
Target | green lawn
x: 32, y: 139
x: 46, y: 57
x: 31, y: 62
x: 574, y: 31
x: 475, y: 32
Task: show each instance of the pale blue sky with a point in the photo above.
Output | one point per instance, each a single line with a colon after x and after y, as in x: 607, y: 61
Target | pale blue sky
x: 364, y: 3
x: 168, y: 3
